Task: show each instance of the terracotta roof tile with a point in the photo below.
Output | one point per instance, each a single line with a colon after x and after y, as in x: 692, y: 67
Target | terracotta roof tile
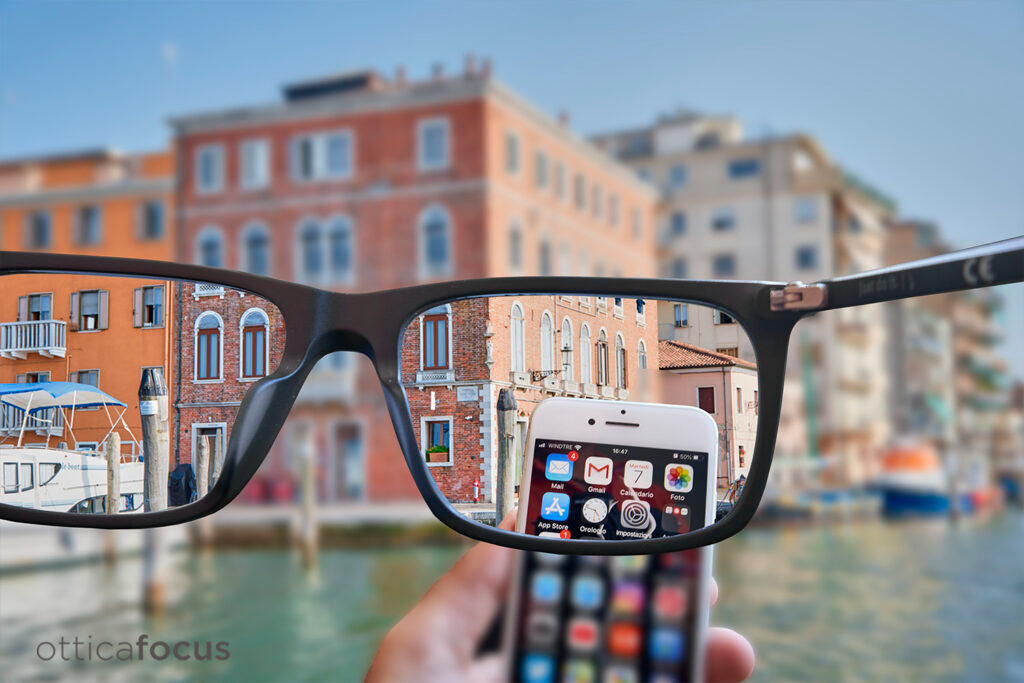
x: 675, y: 355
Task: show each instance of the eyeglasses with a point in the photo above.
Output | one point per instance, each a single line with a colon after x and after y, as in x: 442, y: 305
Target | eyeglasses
x: 619, y: 416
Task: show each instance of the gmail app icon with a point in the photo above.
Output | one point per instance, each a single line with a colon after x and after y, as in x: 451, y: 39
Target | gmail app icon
x: 598, y: 471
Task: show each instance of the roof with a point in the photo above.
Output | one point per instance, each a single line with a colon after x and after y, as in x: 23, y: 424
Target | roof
x: 675, y: 355
x: 35, y: 396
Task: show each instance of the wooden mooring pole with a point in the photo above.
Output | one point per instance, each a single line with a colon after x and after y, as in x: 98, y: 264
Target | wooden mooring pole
x: 112, y: 447
x: 308, y: 526
x: 156, y: 446
x: 506, y: 476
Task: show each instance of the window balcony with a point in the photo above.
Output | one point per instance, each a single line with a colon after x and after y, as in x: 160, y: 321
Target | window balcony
x: 442, y: 376
x: 208, y: 289
x: 48, y: 338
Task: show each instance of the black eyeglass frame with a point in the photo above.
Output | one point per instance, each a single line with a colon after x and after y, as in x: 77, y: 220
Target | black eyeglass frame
x: 319, y: 322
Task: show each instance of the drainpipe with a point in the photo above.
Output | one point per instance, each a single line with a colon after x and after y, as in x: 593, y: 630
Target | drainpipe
x: 727, y: 414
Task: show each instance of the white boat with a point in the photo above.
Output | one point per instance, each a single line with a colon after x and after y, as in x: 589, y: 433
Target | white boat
x: 41, y: 477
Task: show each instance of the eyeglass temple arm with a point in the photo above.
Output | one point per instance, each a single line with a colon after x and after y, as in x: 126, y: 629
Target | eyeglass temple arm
x: 989, y: 265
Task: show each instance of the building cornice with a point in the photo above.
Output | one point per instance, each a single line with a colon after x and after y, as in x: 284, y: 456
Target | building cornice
x: 80, y: 193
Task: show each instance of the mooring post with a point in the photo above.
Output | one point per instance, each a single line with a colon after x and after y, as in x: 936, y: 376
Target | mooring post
x: 113, y: 449
x: 156, y: 448
x: 309, y: 539
x: 505, y: 484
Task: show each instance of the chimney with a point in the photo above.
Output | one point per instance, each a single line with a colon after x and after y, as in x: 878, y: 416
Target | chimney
x: 470, y: 64
x: 486, y: 67
x: 400, y: 76
x: 563, y: 118
x: 438, y: 71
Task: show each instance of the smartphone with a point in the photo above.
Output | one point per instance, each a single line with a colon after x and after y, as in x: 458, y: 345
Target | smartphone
x: 617, y: 471
x: 624, y: 619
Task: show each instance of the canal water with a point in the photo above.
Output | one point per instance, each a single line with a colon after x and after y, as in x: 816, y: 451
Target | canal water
x: 864, y: 601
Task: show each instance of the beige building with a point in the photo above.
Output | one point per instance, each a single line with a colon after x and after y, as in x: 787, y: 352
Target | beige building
x: 774, y: 209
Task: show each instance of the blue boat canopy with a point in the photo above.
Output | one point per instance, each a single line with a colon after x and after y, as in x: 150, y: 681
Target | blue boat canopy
x: 33, y: 396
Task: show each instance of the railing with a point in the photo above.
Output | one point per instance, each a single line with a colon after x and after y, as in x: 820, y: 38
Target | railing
x: 38, y: 422
x: 46, y: 337
x: 207, y: 289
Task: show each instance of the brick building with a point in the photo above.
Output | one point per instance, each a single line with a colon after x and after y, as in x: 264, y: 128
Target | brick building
x: 361, y: 182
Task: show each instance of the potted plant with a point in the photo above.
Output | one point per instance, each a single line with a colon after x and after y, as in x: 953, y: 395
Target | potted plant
x: 437, y: 454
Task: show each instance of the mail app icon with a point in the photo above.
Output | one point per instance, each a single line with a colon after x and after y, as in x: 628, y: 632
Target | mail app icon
x: 559, y: 467
x: 598, y: 471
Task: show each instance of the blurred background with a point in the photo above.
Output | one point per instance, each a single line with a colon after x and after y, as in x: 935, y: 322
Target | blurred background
x: 360, y: 147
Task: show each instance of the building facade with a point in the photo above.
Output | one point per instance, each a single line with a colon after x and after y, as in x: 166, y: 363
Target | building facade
x: 68, y: 328
x: 361, y: 182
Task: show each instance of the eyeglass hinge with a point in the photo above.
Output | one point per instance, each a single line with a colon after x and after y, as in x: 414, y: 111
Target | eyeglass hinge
x: 797, y: 296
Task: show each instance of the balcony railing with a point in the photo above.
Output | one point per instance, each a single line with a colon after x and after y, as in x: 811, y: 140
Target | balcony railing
x: 40, y: 422
x: 207, y: 289
x: 48, y: 338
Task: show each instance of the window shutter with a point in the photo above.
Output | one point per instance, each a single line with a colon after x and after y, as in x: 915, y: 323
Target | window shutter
x: 104, y: 309
x: 73, y: 377
x: 74, y: 317
x: 137, y: 308
x: 22, y: 379
x: 22, y: 309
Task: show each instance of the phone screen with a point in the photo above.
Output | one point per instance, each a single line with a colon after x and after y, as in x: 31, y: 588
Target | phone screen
x: 620, y: 619
x: 615, y: 492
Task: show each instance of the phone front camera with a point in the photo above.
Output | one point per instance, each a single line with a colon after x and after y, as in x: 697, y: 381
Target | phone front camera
x: 590, y: 421
x: 623, y: 411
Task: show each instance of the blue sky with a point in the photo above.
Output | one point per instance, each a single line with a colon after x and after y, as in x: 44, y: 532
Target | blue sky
x: 925, y: 100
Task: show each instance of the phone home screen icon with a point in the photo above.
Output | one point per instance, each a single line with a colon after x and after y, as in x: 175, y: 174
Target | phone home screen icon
x: 598, y: 471
x: 555, y: 506
x: 559, y: 467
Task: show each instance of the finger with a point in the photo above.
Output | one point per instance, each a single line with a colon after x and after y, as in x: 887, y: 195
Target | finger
x: 729, y: 657
x: 713, y: 590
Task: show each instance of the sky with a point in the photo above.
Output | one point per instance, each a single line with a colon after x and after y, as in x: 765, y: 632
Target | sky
x: 923, y: 100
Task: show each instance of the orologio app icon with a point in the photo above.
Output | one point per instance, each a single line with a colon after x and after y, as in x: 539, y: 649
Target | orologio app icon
x: 595, y: 510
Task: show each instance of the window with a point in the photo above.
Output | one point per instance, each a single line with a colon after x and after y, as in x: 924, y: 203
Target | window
x: 565, y: 259
x: 706, y: 399
x: 723, y: 318
x: 565, y: 352
x: 603, y: 375
x: 756, y: 404
x: 723, y: 219
x: 89, y: 377
x: 681, y: 315
x: 437, y: 441
x: 322, y: 156
x: 547, y: 343
x: 341, y: 249
x: 540, y: 170
x: 641, y: 306
x: 511, y: 153
x: 544, y: 260
x: 209, y: 168
x: 613, y: 210
x: 311, y: 252
x: 35, y: 307
x: 807, y: 257
x: 729, y: 351
x: 641, y: 355
x: 254, y: 161
x: 678, y: 268
x: 515, y: 248
x: 435, y: 341
x: 586, y: 352
x: 723, y: 265
x: 38, y: 230
x: 151, y: 220
x: 47, y: 471
x: 853, y: 224
x: 677, y: 223
x: 27, y: 476
x: 255, y: 332
x: 739, y: 399
x: 744, y: 168
x: 620, y: 362
x: 435, y: 243
x: 677, y: 177
x: 596, y: 201
x: 518, y: 345
x: 148, y: 309
x: 580, y: 192
x: 10, y: 477
x: 432, y: 144
x: 91, y: 307
x: 256, y: 249
x: 208, y: 337
x: 560, y: 180
x: 210, y: 248
x: 88, y: 225
x: 805, y: 210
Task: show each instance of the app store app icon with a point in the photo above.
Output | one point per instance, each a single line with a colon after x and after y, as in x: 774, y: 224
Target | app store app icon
x: 555, y: 506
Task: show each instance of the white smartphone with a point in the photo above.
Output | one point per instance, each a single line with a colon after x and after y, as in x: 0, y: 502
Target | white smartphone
x: 615, y: 470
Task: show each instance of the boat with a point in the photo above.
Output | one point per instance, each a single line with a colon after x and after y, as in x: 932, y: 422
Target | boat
x: 62, y: 479
x: 913, y: 482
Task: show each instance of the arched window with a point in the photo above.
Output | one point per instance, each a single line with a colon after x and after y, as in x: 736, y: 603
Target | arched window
x: 311, y: 252
x: 515, y: 247
x: 435, y: 243
x: 210, y: 247
x: 620, y: 362
x: 602, y: 358
x: 641, y: 355
x: 341, y: 249
x: 209, y: 341
x: 256, y: 249
x: 544, y: 258
x: 586, y: 355
x: 518, y: 340
x: 255, y: 340
x: 565, y: 352
x: 547, y: 343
